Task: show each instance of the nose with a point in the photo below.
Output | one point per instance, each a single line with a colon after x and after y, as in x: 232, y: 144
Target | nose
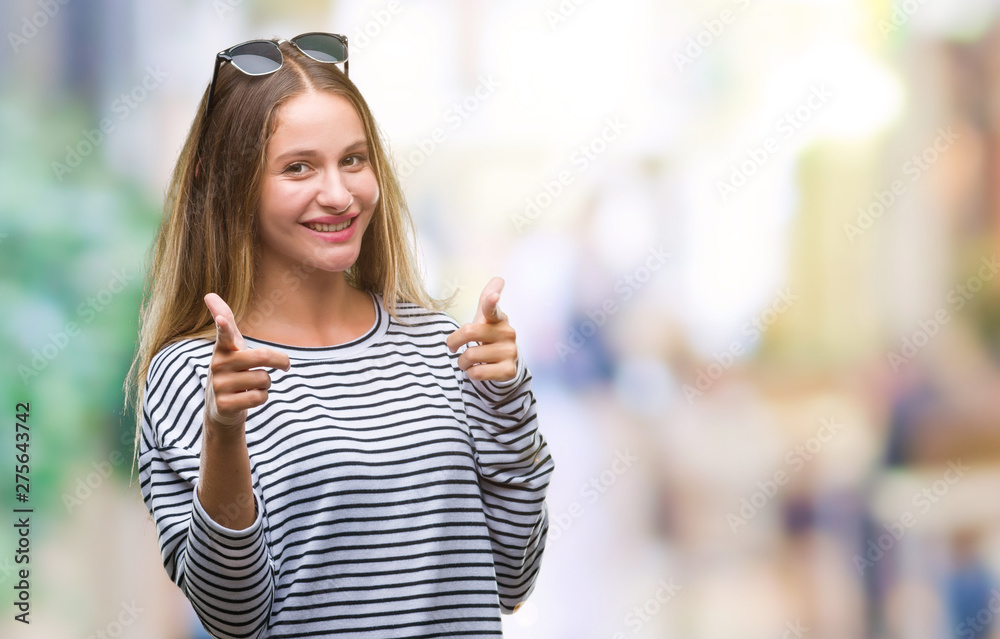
x: 334, y: 194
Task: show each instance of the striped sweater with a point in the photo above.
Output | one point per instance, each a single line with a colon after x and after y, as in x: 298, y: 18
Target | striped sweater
x: 395, y: 496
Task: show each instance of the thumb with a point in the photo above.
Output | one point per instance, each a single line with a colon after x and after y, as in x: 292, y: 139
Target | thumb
x: 227, y: 334
x: 489, y: 311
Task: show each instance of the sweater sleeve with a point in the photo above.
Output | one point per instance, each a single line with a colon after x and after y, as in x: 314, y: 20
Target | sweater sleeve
x: 514, y: 467
x: 226, y: 574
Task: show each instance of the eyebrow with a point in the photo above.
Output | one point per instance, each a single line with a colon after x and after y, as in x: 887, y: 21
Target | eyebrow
x: 360, y: 144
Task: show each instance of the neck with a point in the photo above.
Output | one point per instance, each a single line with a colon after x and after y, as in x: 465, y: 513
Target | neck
x: 300, y: 307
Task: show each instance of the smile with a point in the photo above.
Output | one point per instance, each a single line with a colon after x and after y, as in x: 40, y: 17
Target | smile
x: 332, y: 233
x: 330, y: 228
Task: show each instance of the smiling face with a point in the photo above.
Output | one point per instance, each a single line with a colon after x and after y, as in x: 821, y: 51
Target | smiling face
x: 317, y: 177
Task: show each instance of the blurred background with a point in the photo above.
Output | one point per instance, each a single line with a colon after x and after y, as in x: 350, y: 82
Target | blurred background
x: 750, y: 249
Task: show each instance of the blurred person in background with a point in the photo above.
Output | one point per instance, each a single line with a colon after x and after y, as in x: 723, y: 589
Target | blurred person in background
x: 972, y: 597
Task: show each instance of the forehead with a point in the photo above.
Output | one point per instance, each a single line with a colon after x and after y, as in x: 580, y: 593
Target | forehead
x: 316, y: 118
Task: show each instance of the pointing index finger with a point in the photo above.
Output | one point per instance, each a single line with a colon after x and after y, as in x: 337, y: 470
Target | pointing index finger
x: 491, y: 310
x: 488, y: 310
x: 227, y: 333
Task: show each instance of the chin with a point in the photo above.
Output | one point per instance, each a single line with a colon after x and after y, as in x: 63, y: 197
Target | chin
x: 335, y: 263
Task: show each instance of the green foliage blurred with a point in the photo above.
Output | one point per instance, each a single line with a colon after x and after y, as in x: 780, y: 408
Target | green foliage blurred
x: 73, y: 261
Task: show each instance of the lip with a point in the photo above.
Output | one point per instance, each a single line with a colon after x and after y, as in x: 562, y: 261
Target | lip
x: 333, y: 237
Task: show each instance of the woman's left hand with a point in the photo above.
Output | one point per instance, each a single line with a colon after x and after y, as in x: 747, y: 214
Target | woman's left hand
x: 495, y: 357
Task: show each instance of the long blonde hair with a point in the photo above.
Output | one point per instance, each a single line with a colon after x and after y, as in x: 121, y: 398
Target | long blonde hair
x: 207, y: 240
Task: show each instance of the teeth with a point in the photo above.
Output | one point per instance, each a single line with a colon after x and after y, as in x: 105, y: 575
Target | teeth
x: 329, y: 228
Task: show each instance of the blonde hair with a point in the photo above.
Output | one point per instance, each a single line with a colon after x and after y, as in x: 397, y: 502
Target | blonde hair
x: 207, y: 240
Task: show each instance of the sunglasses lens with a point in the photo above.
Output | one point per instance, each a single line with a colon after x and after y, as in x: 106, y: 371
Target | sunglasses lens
x: 322, y: 47
x: 257, y: 58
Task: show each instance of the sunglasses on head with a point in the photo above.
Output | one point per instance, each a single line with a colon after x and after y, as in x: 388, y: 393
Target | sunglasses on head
x: 261, y: 57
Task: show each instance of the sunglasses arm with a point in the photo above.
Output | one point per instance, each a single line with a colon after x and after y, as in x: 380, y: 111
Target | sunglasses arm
x: 219, y: 59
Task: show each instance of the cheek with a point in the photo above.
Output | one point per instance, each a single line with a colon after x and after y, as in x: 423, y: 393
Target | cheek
x: 281, y: 202
x: 276, y: 217
x: 366, y: 188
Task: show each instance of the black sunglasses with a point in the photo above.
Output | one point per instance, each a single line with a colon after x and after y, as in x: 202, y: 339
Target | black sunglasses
x: 261, y: 57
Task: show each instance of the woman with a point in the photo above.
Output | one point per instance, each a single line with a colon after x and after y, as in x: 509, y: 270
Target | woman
x: 320, y: 448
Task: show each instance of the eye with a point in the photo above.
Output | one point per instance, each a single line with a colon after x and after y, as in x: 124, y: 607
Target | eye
x: 355, y: 160
x: 290, y: 167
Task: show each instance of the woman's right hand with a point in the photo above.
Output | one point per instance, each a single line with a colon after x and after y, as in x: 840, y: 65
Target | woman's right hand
x: 232, y: 387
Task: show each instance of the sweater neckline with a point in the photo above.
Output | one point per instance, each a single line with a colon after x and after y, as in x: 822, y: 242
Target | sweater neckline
x: 337, y: 351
